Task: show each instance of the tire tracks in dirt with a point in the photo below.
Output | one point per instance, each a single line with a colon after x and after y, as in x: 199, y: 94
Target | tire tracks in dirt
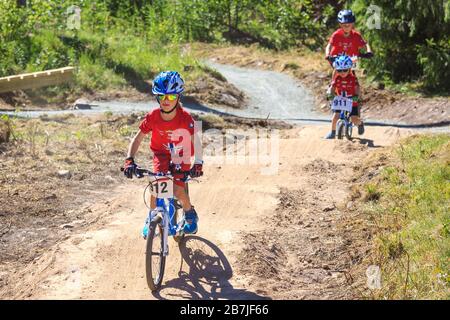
x: 260, y: 236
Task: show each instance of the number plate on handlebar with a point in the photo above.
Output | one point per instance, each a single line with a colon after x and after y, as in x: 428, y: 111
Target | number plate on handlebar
x: 162, y: 188
x: 342, y: 104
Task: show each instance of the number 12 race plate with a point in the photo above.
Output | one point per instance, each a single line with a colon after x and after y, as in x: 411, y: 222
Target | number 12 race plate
x: 162, y: 188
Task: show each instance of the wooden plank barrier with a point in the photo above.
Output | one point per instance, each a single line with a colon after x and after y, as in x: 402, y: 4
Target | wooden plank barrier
x: 36, y: 79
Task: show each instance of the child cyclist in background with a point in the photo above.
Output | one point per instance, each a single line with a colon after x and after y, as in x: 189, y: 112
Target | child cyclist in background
x: 345, y: 84
x: 165, y: 145
x: 346, y: 40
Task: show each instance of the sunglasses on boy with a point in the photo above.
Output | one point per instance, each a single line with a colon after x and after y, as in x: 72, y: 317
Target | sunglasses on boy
x: 342, y: 71
x: 170, y: 97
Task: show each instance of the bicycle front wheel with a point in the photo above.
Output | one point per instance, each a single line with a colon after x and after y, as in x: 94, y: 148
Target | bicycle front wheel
x: 340, y: 129
x: 348, y: 132
x: 155, y: 260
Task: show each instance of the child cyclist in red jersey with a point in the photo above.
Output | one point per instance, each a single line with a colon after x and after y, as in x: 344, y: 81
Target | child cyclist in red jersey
x: 165, y: 123
x: 346, y: 85
x: 346, y: 40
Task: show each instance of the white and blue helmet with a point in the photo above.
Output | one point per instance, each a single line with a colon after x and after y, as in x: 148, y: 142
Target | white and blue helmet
x: 346, y: 16
x: 168, y: 82
x: 343, y: 62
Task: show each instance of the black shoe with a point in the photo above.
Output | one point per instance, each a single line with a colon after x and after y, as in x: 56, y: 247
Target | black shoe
x: 361, y: 128
x: 330, y: 135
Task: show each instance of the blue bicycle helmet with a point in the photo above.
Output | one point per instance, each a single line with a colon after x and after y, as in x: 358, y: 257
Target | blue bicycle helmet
x: 343, y: 62
x: 346, y: 16
x: 168, y: 82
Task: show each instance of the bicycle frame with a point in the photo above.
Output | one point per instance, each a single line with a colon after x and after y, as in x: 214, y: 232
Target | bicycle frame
x: 166, y: 207
x: 161, y: 219
x: 345, y: 116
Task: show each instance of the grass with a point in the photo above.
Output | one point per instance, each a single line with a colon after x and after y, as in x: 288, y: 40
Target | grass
x: 108, y: 61
x: 80, y: 145
x: 93, y: 76
x: 409, y: 205
x: 5, y: 129
x: 114, y: 60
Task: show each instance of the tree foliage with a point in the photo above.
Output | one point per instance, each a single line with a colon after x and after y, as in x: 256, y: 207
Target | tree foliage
x: 34, y: 34
x: 413, y: 42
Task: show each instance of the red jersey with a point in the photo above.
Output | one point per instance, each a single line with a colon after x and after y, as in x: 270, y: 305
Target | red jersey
x: 164, y: 133
x: 349, y: 45
x: 346, y: 86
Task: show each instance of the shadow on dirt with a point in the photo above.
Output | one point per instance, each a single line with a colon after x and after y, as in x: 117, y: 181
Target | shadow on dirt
x: 368, y: 142
x: 208, y: 276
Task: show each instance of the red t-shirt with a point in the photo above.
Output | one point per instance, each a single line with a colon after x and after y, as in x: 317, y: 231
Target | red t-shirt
x: 346, y: 86
x: 163, y: 136
x: 349, y: 45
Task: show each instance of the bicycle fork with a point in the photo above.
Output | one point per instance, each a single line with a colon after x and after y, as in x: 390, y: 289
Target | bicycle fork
x: 159, y: 215
x: 165, y: 223
x: 167, y: 212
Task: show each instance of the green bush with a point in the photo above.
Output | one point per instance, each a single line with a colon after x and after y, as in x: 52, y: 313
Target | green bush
x: 47, y: 51
x: 110, y: 49
x: 435, y: 61
x: 413, y: 43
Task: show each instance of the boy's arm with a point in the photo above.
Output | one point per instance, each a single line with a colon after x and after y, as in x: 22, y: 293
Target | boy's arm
x: 135, y: 143
x: 331, y: 90
x: 365, y: 45
x: 197, y: 169
x: 328, y: 49
x: 130, y: 166
x: 357, y: 90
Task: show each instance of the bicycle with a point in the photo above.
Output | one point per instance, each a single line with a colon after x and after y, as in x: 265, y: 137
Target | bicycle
x: 164, y: 222
x: 344, y: 104
x: 344, y: 124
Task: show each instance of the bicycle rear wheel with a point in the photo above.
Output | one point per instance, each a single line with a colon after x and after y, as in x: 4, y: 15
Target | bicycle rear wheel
x: 155, y: 261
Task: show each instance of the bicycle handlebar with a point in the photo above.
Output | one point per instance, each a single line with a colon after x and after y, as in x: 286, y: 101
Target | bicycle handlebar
x: 140, y: 173
x: 366, y: 55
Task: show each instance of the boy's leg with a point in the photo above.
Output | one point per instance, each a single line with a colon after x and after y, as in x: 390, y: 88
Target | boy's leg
x: 152, y: 202
x: 190, y: 215
x: 181, y: 195
x: 334, y: 121
x: 147, y: 220
x: 356, y: 120
x: 160, y: 164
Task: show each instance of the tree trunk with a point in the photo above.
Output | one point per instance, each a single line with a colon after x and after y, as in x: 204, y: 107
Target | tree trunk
x: 230, y: 23
x: 237, y: 8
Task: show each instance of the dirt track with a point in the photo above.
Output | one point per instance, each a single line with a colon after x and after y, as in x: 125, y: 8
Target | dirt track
x: 281, y: 236
x: 260, y: 236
